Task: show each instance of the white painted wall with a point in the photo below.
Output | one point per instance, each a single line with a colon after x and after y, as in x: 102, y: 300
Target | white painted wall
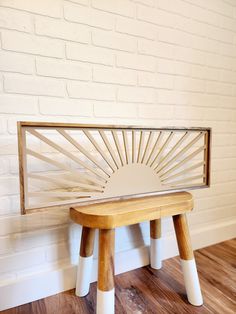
x: 148, y: 62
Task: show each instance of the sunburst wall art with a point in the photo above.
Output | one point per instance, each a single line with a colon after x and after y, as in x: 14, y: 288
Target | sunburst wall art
x: 64, y: 164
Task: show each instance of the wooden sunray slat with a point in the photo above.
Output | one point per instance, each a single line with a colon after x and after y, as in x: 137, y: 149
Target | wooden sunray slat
x: 155, y: 148
x: 184, y: 150
x: 172, y: 151
x: 109, y: 148
x: 65, y: 152
x: 126, y: 146
x: 134, y: 146
x: 65, y: 182
x: 195, y: 153
x: 82, y: 150
x: 95, y: 144
x: 61, y: 194
x: 148, y: 145
x: 141, y: 145
x: 62, y: 166
x: 170, y: 136
x: 118, y: 147
x: 187, y: 170
x: 187, y: 179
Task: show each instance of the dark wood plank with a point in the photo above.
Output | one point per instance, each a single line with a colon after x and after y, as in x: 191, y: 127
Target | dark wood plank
x: 149, y: 291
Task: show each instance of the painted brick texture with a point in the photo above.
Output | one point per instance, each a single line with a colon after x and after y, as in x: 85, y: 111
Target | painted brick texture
x: 147, y: 62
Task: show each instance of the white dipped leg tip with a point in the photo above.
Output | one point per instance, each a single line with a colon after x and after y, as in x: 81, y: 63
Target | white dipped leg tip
x: 156, y: 253
x: 106, y: 302
x: 191, y: 281
x: 84, y: 275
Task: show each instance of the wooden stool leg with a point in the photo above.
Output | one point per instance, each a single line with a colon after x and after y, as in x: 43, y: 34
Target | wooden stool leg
x: 85, y: 262
x: 187, y: 260
x: 155, y: 244
x: 106, y: 291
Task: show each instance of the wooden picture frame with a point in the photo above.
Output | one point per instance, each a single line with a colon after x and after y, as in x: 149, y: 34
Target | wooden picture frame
x: 117, y: 154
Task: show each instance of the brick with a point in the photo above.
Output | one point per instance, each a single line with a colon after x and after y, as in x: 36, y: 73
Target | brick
x: 63, y: 69
x: 219, y: 88
x: 88, y: 16
x: 121, y: 7
x: 176, y: 37
x: 137, y: 62
x: 4, y: 166
x: 226, y: 101
x: 136, y: 94
x: 31, y: 239
x: 18, y: 104
x: 188, y: 113
x: 113, y: 41
x: 3, y: 124
x: 187, y: 9
x: 198, y: 71
x: 65, y: 107
x: 62, y: 30
x: 14, y: 62
x: 214, y: 60
x: 118, y: 110
x: 219, y: 34
x: 12, y: 19
x: 190, y: 25
x: 40, y: 7
x: 5, y: 206
x: 32, y: 44
x: 91, y: 91
x: 189, y: 84
x: 182, y: 68
x: 212, y: 74
x: 156, y: 112
x: 83, y: 2
x: 33, y: 85
x: 165, y: 66
x: 190, y: 55
x: 8, y: 145
x: 89, y: 54
x: 227, y: 23
x: 227, y: 76
x: 227, y: 50
x: 155, y: 16
x: 156, y: 80
x: 58, y: 251
x: 203, y: 100
x: 156, y: 49
x: 114, y: 76
x: 149, y: 3
x: 136, y: 28
x: 8, y: 185
x: 172, y: 97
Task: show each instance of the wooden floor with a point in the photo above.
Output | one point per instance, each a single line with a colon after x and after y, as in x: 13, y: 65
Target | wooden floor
x: 148, y: 291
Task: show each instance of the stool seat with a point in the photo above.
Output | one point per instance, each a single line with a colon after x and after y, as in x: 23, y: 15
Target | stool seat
x: 124, y: 212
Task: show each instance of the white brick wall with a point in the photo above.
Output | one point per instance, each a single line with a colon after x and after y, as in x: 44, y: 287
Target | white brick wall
x: 148, y: 62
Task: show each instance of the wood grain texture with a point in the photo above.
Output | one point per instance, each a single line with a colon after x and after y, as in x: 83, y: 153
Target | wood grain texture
x: 106, y: 259
x: 87, y: 242
x: 150, y: 291
x: 155, y: 229
x: 183, y: 237
x: 112, y: 214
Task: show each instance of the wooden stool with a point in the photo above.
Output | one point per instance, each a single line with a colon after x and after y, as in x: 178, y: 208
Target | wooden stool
x: 107, y: 215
